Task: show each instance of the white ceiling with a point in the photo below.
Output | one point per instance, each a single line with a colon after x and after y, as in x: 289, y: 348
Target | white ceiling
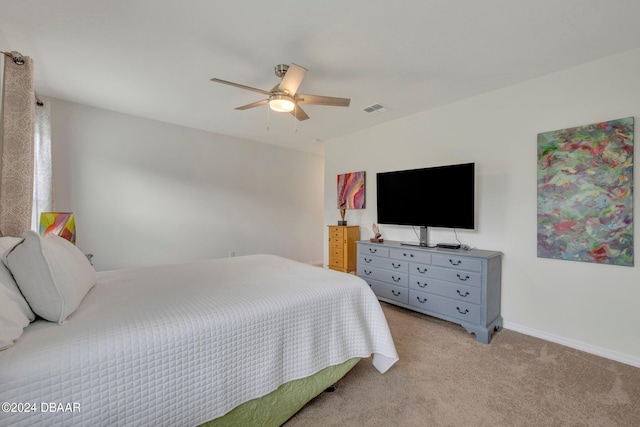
x: 154, y: 58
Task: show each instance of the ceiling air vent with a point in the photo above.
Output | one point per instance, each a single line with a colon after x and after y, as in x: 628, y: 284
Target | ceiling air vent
x: 376, y: 109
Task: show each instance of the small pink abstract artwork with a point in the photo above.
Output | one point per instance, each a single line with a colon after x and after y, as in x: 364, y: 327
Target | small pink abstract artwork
x: 351, y: 190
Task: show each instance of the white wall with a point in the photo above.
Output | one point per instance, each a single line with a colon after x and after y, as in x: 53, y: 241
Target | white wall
x: 584, y: 305
x: 148, y: 193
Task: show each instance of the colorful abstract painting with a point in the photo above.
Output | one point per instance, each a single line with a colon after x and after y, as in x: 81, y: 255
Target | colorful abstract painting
x: 585, y: 193
x: 59, y: 223
x: 351, y: 190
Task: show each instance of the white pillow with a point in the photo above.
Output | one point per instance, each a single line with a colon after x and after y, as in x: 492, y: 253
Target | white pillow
x: 15, y: 313
x: 12, y: 318
x: 53, y: 275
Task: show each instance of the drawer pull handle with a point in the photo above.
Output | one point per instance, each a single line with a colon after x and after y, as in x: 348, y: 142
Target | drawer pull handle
x: 368, y: 273
x: 452, y: 262
x: 424, y: 270
x: 421, y: 300
x: 373, y: 250
x: 396, y: 265
x: 463, y: 279
x: 396, y: 294
x: 396, y: 279
x: 466, y: 294
x: 410, y: 255
x: 368, y: 260
x: 422, y: 285
x: 466, y: 310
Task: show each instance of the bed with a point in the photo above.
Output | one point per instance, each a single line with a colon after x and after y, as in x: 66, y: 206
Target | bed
x: 214, y: 341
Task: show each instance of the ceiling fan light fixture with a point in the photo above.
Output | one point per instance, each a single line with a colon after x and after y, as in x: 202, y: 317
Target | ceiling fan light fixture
x: 281, y: 103
x: 284, y: 96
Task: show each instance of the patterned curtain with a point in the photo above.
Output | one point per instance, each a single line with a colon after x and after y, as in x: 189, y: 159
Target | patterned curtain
x: 17, y: 162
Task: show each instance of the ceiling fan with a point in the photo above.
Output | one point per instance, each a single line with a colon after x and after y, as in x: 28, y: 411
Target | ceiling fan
x: 284, y: 97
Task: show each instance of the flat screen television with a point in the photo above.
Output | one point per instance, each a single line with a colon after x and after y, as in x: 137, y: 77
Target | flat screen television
x: 442, y: 196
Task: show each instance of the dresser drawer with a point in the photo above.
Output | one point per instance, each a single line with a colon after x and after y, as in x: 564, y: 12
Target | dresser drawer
x: 385, y: 263
x: 336, y: 261
x: 337, y: 252
x: 411, y: 255
x: 391, y: 292
x: 445, y: 306
x: 471, y: 294
x: 336, y: 233
x: 336, y: 243
x: 387, y: 276
x: 463, y: 263
x: 448, y: 274
x: 377, y: 250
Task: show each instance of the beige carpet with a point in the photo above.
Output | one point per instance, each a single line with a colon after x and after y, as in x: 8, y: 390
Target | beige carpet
x: 446, y: 378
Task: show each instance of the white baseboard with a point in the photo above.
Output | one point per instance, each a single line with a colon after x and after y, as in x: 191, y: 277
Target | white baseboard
x: 598, y: 351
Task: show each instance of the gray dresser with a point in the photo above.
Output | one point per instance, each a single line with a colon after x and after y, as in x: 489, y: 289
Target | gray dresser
x: 456, y: 285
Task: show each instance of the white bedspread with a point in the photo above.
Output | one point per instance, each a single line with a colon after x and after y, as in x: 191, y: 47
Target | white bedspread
x: 181, y: 345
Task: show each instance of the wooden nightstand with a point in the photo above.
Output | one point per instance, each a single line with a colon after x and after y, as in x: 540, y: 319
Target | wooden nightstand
x: 342, y: 247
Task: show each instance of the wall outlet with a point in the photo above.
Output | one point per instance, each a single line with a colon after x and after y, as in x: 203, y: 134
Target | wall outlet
x: 232, y: 254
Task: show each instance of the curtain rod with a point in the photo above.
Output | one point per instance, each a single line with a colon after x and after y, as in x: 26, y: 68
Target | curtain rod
x: 18, y: 59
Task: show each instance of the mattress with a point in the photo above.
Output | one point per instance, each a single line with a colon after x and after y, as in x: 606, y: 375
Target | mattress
x: 184, y: 344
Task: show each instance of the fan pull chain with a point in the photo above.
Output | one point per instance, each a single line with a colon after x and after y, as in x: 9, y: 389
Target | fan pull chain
x: 268, y: 117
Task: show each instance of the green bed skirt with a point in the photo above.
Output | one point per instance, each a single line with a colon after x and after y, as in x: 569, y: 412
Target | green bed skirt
x: 281, y: 404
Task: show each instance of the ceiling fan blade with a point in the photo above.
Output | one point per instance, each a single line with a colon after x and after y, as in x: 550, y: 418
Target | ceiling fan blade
x: 264, y: 92
x: 292, y: 79
x: 253, y: 104
x: 299, y: 113
x: 322, y: 100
